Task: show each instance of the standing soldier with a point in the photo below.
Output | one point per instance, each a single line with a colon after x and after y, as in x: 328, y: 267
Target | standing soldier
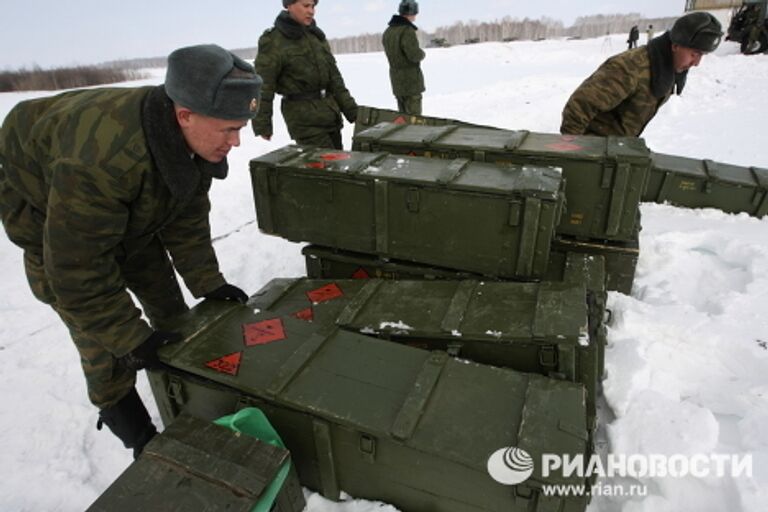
x: 649, y: 33
x: 98, y: 187
x: 626, y: 91
x: 404, y: 55
x: 634, y: 35
x: 295, y: 61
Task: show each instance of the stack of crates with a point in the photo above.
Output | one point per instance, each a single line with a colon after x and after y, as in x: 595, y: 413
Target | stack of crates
x: 445, y: 316
x: 681, y: 181
x: 605, y: 178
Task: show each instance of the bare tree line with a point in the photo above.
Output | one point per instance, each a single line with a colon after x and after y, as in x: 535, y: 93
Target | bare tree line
x: 511, y: 29
x: 506, y: 29
x: 37, y: 79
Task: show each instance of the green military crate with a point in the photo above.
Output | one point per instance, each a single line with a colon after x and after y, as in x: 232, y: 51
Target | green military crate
x: 604, y: 176
x: 620, y: 259
x: 471, y: 216
x: 530, y: 327
x: 376, y: 419
x: 196, y: 465
x: 706, y: 184
x: 569, y: 267
x: 370, y: 116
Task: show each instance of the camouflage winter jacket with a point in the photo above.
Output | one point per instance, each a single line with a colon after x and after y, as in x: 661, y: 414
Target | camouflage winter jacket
x: 88, y: 179
x: 296, y: 61
x: 404, y: 55
x: 619, y: 98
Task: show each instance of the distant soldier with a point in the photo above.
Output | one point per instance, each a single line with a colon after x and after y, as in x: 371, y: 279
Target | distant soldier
x: 649, y: 34
x: 98, y: 187
x: 626, y: 91
x: 295, y: 61
x: 634, y: 35
x: 405, y: 56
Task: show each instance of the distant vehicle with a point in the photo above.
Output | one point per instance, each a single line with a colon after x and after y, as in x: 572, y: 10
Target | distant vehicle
x: 439, y: 42
x: 472, y: 40
x: 749, y: 27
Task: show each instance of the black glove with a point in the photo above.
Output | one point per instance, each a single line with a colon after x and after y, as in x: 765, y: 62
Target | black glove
x: 145, y: 355
x: 351, y: 115
x: 228, y: 292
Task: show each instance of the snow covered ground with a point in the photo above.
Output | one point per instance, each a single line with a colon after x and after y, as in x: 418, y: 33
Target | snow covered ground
x: 688, y: 356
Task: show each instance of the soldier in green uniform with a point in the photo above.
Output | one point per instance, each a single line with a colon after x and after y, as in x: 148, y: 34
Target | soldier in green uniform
x: 99, y: 186
x: 295, y: 61
x: 626, y: 91
x: 405, y: 56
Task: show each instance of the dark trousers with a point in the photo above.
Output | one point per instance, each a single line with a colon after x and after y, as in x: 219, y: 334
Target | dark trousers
x: 409, y: 104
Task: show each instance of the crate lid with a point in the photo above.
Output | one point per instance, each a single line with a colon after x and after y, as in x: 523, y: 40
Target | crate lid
x: 533, y: 181
x: 454, y: 409
x: 585, y: 147
x: 733, y: 174
x: 195, y: 465
x: 678, y: 165
x: 499, y: 312
x: 469, y: 138
x: 461, y: 174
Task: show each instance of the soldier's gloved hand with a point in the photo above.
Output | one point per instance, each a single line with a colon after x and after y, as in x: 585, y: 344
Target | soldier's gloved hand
x: 228, y: 292
x: 351, y: 115
x: 145, y: 355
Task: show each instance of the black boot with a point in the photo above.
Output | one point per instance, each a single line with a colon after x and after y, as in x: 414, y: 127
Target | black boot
x: 129, y: 420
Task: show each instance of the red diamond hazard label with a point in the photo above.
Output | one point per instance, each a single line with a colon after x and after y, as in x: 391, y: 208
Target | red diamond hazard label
x: 400, y: 120
x: 228, y: 364
x: 566, y: 144
x: 329, y: 157
x: 361, y: 273
x: 260, y: 333
x: 305, y: 314
x: 325, y: 293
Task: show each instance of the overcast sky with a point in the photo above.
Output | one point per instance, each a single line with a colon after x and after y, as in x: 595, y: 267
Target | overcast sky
x: 58, y: 33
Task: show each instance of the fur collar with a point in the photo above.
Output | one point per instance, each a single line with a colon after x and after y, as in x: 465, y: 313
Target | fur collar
x: 400, y: 21
x: 663, y: 76
x: 293, y: 30
x: 170, y: 154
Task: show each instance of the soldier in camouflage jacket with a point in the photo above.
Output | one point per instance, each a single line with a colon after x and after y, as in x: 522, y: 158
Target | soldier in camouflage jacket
x: 97, y: 187
x: 405, y: 56
x: 626, y: 91
x: 295, y: 61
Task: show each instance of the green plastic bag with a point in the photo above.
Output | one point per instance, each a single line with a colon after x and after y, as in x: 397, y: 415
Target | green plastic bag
x: 251, y: 421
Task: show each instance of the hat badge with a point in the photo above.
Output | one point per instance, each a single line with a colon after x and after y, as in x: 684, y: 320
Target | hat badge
x: 254, y: 106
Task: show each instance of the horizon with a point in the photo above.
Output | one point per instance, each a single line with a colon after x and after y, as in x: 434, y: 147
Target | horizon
x: 64, y: 36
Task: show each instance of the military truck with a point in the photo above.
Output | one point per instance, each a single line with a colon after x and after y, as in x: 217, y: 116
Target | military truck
x: 749, y: 27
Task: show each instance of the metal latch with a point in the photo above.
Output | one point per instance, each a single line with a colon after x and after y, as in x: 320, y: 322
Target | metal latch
x: 454, y: 348
x: 607, y: 178
x: 368, y: 447
x: 548, y: 356
x: 176, y: 390
x: 515, y: 212
x: 272, y: 182
x: 412, y: 200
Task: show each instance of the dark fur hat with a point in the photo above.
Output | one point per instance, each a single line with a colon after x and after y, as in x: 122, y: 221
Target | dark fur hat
x: 286, y: 3
x: 698, y: 30
x: 408, y: 8
x: 212, y: 81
